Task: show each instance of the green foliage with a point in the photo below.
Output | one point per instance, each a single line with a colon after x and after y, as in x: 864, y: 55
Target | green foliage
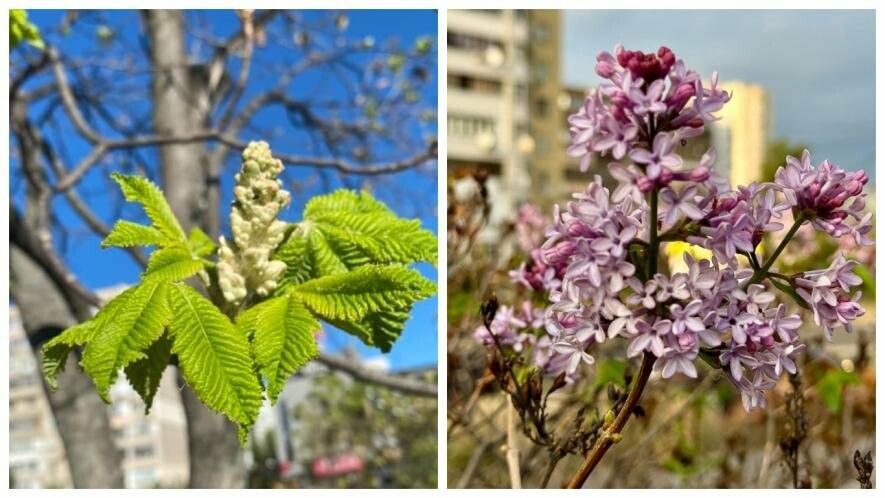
x: 123, y: 329
x: 213, y: 357
x: 350, y: 231
x: 352, y: 295
x: 283, y: 332
x: 144, y: 375
x: 144, y: 192
x: 172, y: 264
x: 128, y: 234
x: 610, y: 371
x: 831, y: 385
x: 371, y: 302
x: 346, y: 265
x: 199, y: 243
x: 423, y: 45
x: 22, y: 30
x: 345, y: 230
x: 56, y: 351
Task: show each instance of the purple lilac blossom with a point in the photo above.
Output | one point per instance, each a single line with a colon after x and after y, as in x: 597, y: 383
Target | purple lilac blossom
x: 586, y: 269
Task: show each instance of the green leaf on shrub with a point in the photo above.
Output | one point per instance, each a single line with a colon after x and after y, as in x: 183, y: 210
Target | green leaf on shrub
x: 610, y: 371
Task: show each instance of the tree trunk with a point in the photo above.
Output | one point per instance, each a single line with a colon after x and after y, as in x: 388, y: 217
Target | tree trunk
x: 81, y: 416
x: 46, y: 309
x: 181, y: 106
x: 178, y: 110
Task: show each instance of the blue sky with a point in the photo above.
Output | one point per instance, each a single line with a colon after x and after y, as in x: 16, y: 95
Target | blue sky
x: 410, y: 194
x: 818, y: 66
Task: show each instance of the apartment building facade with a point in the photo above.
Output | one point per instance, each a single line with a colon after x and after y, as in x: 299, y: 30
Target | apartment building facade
x: 154, y: 446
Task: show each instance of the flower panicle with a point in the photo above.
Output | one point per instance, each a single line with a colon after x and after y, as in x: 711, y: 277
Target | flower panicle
x: 591, y: 262
x: 245, y: 266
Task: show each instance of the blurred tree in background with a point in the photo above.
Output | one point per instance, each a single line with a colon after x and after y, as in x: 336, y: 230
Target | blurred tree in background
x: 392, y: 433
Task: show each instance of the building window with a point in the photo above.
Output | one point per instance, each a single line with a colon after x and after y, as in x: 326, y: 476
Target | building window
x: 141, y: 478
x: 143, y: 451
x: 469, y: 126
x: 540, y: 72
x: 542, y: 107
x: 22, y: 425
x: 470, y: 42
x: 478, y: 85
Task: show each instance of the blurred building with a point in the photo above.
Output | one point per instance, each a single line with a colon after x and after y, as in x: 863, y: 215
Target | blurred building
x: 155, y: 452
x: 154, y: 446
x: 508, y: 109
x: 502, y: 69
x: 741, y: 135
x: 36, y: 453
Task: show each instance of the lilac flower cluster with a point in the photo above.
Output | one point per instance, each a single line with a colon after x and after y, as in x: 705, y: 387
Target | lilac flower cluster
x: 648, y: 98
x: 828, y: 195
x: 594, y: 265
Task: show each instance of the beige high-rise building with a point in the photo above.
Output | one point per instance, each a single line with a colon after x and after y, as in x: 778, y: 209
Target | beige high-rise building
x: 36, y: 454
x: 545, y: 120
x: 741, y: 135
x: 508, y: 111
x: 154, y: 446
x: 502, y: 67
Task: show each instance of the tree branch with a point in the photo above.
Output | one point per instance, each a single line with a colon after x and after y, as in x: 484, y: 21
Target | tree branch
x: 39, y: 248
x: 359, y: 372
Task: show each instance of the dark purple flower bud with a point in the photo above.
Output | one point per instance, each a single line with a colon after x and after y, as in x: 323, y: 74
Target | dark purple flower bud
x: 645, y: 184
x: 559, y: 253
x: 649, y: 67
x: 681, y: 96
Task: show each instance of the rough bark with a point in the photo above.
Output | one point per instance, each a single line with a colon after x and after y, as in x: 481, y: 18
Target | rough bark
x: 179, y: 108
x: 80, y: 415
x: 181, y: 105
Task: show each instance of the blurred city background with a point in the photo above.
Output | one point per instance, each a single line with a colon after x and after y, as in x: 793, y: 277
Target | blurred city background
x: 348, y: 99
x: 798, y: 79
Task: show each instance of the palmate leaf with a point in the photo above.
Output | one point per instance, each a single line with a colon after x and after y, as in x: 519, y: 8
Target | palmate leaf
x: 346, y: 229
x: 343, y: 200
x: 143, y: 191
x: 56, y: 351
x: 371, y: 301
x: 308, y: 256
x: 214, y: 357
x: 352, y: 295
x: 199, y: 243
x: 172, y: 264
x: 380, y: 329
x: 128, y: 234
x: 124, y: 328
x: 144, y: 375
x: 282, y: 332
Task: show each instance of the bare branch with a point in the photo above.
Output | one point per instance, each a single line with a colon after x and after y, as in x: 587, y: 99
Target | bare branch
x: 348, y: 167
x: 359, y: 372
x: 67, y: 99
x: 83, y: 210
x: 39, y: 248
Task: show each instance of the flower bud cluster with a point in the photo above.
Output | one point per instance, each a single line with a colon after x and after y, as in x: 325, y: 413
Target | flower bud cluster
x: 245, y: 264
